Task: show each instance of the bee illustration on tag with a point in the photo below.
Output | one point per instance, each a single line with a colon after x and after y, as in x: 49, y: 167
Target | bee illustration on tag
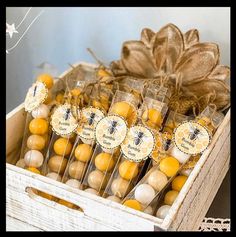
x: 91, y: 118
x: 194, y: 133
x: 35, y: 89
x: 112, y: 126
x: 166, y: 144
x: 67, y: 115
x: 138, y: 139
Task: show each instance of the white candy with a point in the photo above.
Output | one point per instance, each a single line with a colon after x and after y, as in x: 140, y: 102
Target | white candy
x: 91, y: 190
x: 74, y: 183
x: 186, y: 172
x: 179, y: 155
x: 163, y: 211
x: 41, y: 112
x: 21, y: 163
x: 148, y: 210
x: 144, y: 193
x: 33, y: 158
x: 114, y: 199
x: 54, y: 176
x: 87, y: 141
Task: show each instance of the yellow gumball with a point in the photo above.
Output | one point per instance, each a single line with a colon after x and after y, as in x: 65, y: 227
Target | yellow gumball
x: 34, y: 170
x: 104, y: 162
x: 128, y: 170
x: 152, y: 117
x: 170, y: 197
x: 75, y: 92
x: 134, y: 204
x: 83, y: 152
x: 60, y: 98
x: 38, y: 126
x: 62, y: 147
x: 169, y: 166
x: 46, y: 79
x: 103, y: 73
x: 178, y: 182
x: 123, y: 109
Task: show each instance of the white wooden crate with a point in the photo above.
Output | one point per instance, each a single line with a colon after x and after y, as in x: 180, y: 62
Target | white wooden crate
x: 186, y: 213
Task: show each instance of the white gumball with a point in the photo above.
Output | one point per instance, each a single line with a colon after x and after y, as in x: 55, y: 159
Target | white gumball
x: 92, y: 191
x: 33, y: 158
x: 41, y: 112
x: 21, y: 163
x: 114, y: 199
x: 144, y: 193
x: 186, y: 172
x: 74, y: 183
x: 163, y: 211
x: 179, y: 155
x: 149, y: 210
x: 87, y: 141
x: 53, y: 175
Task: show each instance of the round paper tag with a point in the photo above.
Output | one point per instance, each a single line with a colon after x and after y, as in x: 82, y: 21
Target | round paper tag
x: 111, y: 131
x: 35, y: 96
x: 138, y: 144
x: 89, y: 119
x: 191, y: 138
x: 63, y: 121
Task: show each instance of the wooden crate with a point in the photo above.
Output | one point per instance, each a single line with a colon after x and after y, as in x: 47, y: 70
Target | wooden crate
x: 186, y: 213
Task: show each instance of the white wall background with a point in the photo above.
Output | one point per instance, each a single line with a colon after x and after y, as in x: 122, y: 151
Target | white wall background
x: 61, y: 35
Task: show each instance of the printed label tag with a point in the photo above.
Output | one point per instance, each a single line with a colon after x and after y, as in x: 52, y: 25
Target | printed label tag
x: 111, y: 131
x: 191, y: 138
x: 138, y: 144
x: 35, y: 96
x: 89, y: 119
x: 63, y: 121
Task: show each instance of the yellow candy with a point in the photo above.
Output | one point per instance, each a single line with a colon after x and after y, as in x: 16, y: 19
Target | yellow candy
x: 60, y: 98
x: 103, y: 73
x: 38, y: 126
x: 123, y: 109
x: 33, y: 169
x: 83, y: 152
x: 75, y: 92
x: 62, y: 147
x: 35, y: 142
x: 128, y: 170
x: 178, y: 182
x: 134, y: 204
x: 104, y: 162
x: 169, y: 166
x: 170, y: 197
x: 152, y: 117
x: 47, y: 79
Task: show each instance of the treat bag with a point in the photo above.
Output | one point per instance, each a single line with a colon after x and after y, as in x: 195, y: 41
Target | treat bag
x: 136, y: 148
x: 152, y: 113
x: 210, y: 119
x: 130, y: 85
x: 159, y: 93
x: 163, y: 138
x: 64, y: 122
x: 110, y: 132
x: 85, y: 141
x: 38, y: 105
